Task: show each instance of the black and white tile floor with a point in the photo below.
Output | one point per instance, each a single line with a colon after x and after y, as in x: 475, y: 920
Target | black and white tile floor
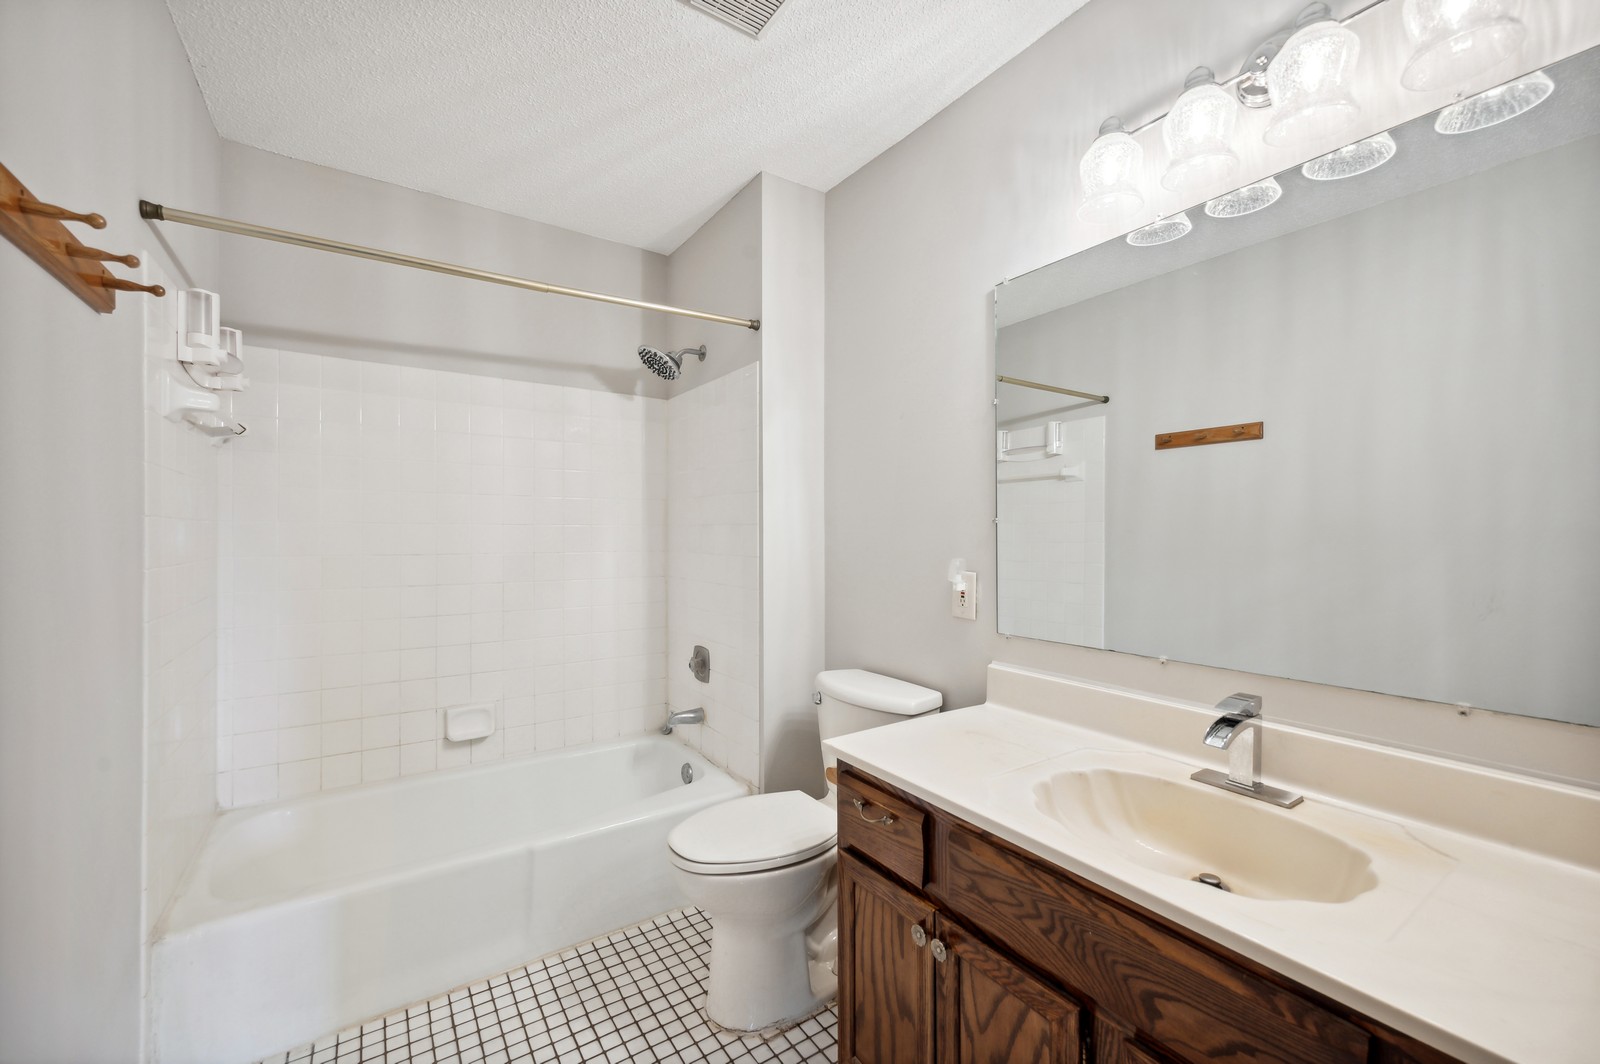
x: 632, y: 996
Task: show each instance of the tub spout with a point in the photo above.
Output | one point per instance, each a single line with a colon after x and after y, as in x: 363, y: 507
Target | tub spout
x: 696, y: 715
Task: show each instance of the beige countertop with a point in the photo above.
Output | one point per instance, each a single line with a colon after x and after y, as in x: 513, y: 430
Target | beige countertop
x: 1481, y: 935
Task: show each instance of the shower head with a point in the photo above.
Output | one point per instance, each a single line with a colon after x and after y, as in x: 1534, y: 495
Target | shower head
x: 667, y: 365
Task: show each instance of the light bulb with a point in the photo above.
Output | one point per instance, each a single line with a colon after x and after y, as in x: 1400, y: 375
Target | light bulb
x: 1246, y: 200
x: 1161, y: 232
x: 1198, y: 132
x: 1456, y: 40
x: 1309, y: 82
x: 1352, y: 159
x: 1496, y: 105
x: 1107, y: 174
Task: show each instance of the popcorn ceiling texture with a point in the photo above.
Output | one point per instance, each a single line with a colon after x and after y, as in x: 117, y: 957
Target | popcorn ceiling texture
x: 630, y: 120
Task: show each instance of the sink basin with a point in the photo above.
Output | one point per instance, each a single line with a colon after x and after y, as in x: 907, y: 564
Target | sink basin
x: 1187, y: 829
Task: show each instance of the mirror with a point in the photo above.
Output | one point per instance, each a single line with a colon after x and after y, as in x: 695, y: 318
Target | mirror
x: 1421, y: 345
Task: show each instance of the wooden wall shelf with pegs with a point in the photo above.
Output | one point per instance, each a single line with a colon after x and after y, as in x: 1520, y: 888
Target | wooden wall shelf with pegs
x: 37, y: 228
x: 1250, y: 430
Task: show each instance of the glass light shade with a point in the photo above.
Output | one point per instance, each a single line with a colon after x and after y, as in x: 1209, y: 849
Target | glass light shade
x: 1456, y: 40
x: 1496, y: 105
x: 1107, y: 173
x: 1309, y: 82
x: 1246, y: 200
x: 1167, y: 229
x: 1352, y: 159
x: 1199, y: 132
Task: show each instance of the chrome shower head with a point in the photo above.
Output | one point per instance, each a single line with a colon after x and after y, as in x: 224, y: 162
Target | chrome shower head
x: 668, y: 364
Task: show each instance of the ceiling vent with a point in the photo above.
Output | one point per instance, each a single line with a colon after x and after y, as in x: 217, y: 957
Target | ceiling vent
x: 751, y: 16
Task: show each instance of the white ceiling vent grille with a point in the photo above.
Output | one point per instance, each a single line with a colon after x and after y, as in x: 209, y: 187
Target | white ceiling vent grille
x: 751, y: 16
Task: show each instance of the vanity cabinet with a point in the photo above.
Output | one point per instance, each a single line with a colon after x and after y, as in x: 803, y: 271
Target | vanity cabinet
x: 919, y: 988
x: 958, y: 948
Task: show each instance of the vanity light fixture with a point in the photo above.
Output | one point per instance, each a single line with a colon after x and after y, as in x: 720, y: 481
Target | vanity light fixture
x: 1246, y: 200
x: 1456, y: 40
x: 1352, y: 159
x: 1107, y: 172
x: 1198, y: 131
x: 1496, y: 105
x: 1162, y: 231
x: 1309, y: 81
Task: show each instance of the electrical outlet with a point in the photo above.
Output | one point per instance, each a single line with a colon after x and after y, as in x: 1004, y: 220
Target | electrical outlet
x: 964, y: 602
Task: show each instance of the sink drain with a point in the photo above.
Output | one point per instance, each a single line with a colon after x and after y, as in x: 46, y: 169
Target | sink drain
x: 1211, y: 879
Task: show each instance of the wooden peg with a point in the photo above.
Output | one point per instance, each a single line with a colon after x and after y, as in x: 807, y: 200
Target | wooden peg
x: 29, y: 205
x: 83, y: 251
x: 128, y: 286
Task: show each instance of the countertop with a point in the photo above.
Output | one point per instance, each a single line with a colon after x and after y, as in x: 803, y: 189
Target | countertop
x: 1483, y: 947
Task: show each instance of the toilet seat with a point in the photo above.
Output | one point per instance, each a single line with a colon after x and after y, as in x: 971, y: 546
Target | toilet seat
x: 753, y: 834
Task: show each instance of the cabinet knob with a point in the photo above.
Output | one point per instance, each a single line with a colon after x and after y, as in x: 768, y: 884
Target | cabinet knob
x: 939, y: 952
x: 919, y: 937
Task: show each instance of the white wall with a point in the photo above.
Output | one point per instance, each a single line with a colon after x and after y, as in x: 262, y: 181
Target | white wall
x: 180, y: 631
x: 127, y: 121
x: 916, y: 241
x: 714, y: 566
x: 718, y: 269
x: 302, y: 300
x: 792, y: 572
x: 396, y: 541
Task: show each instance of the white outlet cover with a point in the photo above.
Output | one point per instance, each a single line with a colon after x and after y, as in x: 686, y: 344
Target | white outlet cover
x: 966, y: 610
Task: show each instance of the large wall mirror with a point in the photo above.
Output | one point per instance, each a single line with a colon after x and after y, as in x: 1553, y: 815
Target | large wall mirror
x: 1421, y: 345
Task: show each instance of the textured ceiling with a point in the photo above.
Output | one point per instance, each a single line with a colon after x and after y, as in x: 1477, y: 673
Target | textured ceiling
x: 632, y: 120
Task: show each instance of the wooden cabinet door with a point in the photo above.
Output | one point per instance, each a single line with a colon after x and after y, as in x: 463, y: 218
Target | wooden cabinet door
x: 993, y: 1012
x: 886, y: 970
x: 1115, y: 1044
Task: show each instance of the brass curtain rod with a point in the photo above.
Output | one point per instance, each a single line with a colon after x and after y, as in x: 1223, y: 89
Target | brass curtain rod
x: 157, y: 212
x: 1052, y: 388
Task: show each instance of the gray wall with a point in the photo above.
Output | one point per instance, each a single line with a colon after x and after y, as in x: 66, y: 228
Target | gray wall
x: 792, y: 534
x: 916, y: 241
x: 718, y: 269
x: 303, y: 300
x: 125, y: 121
x: 1422, y: 515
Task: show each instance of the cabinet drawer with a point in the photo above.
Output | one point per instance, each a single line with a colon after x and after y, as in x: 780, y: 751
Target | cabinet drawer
x: 881, y: 826
x: 1195, y: 1004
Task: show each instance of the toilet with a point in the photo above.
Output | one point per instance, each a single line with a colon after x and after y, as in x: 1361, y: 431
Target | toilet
x: 762, y: 868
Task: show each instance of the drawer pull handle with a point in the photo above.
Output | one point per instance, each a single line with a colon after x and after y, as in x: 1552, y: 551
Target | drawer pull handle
x: 939, y: 952
x: 861, y: 811
x: 919, y: 937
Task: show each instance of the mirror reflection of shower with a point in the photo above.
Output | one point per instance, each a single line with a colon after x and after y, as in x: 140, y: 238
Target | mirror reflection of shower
x: 667, y: 365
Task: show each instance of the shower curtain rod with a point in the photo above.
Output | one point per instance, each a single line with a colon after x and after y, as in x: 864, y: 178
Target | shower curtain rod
x: 157, y: 212
x: 1052, y: 388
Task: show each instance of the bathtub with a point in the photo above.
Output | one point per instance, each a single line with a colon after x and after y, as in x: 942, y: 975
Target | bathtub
x: 302, y: 918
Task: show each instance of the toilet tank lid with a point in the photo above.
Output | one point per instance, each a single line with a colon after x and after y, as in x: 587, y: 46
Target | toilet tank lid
x: 869, y: 690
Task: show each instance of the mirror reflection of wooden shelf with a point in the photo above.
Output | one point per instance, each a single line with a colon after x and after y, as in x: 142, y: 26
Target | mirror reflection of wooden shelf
x: 1250, y: 430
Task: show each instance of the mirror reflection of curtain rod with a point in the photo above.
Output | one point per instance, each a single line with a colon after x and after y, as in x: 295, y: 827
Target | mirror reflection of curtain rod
x: 1052, y: 388
x: 156, y: 212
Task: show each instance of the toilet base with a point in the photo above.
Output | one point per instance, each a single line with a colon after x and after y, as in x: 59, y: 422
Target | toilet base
x: 772, y: 936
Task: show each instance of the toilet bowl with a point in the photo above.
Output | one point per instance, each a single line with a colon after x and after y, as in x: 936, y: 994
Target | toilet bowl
x: 763, y: 869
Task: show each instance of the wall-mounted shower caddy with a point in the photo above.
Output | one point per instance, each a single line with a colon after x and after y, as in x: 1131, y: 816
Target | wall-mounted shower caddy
x: 36, y: 227
x: 202, y: 360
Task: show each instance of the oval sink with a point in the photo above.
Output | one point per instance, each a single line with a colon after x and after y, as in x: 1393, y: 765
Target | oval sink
x: 1187, y: 830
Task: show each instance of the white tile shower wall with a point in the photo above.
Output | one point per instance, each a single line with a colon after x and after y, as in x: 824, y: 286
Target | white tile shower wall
x: 395, y: 541
x: 714, y: 566
x: 1052, y: 540
x: 180, y: 646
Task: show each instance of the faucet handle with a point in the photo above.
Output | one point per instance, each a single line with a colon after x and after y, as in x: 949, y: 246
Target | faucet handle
x: 1241, y: 705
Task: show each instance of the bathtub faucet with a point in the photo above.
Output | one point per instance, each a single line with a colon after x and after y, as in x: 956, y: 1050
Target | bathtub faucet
x: 696, y: 715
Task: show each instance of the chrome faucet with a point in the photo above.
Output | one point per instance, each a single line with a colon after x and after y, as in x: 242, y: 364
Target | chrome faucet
x: 1238, y: 731
x: 697, y: 715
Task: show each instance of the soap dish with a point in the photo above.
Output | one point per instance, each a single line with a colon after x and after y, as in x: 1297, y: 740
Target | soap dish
x: 465, y: 723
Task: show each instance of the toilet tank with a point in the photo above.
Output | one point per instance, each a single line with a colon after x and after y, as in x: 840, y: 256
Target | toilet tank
x: 854, y: 700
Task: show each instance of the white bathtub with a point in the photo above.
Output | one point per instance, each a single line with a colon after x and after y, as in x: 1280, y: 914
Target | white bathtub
x: 302, y: 918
